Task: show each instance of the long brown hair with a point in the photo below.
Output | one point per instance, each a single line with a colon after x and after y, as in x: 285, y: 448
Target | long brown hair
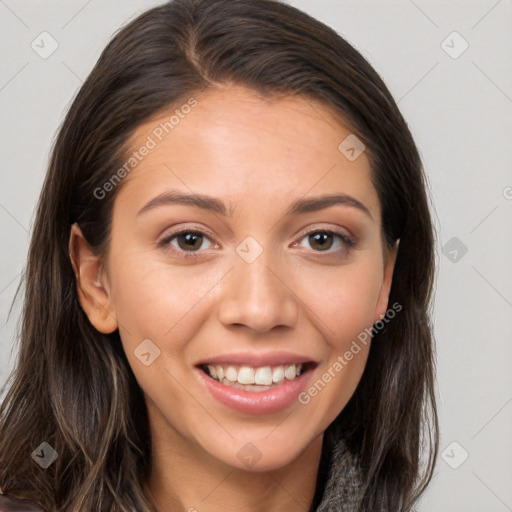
x: 72, y: 386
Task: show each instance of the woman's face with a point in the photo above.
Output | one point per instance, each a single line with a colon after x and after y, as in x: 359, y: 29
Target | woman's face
x: 248, y: 277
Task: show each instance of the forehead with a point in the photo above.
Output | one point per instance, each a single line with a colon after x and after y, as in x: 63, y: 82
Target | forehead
x: 245, y: 148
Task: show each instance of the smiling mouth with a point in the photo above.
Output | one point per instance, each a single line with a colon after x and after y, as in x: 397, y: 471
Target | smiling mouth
x: 255, y: 378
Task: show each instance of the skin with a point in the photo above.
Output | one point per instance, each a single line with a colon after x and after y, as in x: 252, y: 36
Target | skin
x: 257, y: 156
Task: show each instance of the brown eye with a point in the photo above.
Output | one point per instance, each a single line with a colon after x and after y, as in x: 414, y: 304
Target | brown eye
x: 328, y: 241
x: 186, y: 243
x: 321, y: 240
x: 189, y: 241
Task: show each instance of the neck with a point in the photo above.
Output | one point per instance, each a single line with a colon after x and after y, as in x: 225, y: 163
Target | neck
x: 183, y: 478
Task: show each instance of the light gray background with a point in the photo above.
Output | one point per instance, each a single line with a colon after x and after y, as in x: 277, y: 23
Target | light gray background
x: 460, y: 113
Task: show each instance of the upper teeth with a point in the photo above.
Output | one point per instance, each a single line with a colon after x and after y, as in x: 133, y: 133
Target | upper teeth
x: 262, y: 375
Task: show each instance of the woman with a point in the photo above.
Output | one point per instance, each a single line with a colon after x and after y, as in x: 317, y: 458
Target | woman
x: 228, y: 286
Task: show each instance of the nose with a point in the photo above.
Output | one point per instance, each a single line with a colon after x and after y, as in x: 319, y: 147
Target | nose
x: 258, y: 295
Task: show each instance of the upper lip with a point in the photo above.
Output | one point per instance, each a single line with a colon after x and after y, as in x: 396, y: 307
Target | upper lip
x: 258, y: 359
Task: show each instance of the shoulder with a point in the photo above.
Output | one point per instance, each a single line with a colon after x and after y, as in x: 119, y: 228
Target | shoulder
x: 11, y: 503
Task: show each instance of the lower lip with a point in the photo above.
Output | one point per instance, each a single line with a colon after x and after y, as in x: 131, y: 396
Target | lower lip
x: 256, y: 402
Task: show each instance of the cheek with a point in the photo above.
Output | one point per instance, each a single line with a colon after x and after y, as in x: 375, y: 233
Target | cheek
x: 167, y: 306
x: 152, y: 299
x: 343, y: 300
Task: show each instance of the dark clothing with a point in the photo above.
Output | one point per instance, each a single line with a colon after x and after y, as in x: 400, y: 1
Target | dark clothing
x: 340, y: 479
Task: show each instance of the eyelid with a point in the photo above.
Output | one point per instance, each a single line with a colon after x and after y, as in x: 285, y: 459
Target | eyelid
x: 327, y: 229
x: 348, y: 242
x: 165, y: 241
x: 168, y: 234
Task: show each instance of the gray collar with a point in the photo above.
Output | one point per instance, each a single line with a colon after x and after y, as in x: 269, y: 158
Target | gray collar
x: 342, y: 491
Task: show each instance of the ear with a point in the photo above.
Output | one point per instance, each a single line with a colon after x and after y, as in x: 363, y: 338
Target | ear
x: 92, y: 284
x: 389, y: 266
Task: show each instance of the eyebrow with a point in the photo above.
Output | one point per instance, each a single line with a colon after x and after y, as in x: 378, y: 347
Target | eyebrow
x: 209, y: 203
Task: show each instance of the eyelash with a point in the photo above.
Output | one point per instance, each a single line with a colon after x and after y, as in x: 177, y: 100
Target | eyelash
x: 348, y: 242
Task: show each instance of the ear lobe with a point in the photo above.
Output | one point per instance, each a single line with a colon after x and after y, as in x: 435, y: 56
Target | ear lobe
x: 389, y: 266
x: 92, y: 286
